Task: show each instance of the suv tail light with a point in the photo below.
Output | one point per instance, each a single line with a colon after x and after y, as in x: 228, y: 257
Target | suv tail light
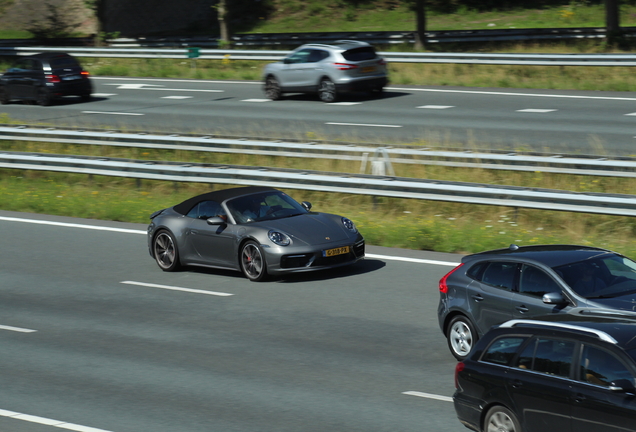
x: 53, y: 78
x: 458, y: 368
x: 84, y: 74
x: 443, y: 287
x: 382, y: 62
x: 345, y: 66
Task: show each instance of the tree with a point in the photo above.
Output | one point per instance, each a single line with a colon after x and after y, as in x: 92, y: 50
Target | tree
x: 224, y: 26
x: 420, y: 21
x: 611, y: 16
x: 99, y: 9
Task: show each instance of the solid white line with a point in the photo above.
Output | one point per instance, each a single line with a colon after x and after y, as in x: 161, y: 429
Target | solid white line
x: 113, y: 113
x: 49, y: 422
x: 413, y: 260
x: 16, y: 329
x: 167, y: 287
x: 439, y: 107
x: 131, y: 231
x: 70, y: 225
x: 363, y: 124
x: 175, y: 80
x: 533, y: 110
x: 182, y: 90
x: 428, y: 396
x: 512, y: 94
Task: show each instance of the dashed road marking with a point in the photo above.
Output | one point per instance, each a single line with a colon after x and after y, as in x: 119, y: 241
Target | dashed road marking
x: 113, y: 113
x: 176, y: 97
x: 49, y: 422
x: 535, y: 110
x: 428, y: 396
x: 437, y: 107
x: 16, y: 329
x: 256, y: 100
x: 173, y: 288
x: 364, y: 125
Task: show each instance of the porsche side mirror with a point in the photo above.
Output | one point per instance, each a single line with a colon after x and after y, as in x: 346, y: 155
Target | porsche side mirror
x: 306, y: 205
x: 216, y: 220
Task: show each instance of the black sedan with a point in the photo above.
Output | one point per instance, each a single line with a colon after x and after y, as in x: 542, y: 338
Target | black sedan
x: 491, y: 287
x: 257, y: 230
x: 45, y: 77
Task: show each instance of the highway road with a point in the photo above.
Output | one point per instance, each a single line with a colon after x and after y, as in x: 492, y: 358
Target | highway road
x: 545, y: 120
x: 95, y: 338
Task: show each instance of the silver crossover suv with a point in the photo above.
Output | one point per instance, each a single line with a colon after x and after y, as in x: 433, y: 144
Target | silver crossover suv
x: 327, y: 69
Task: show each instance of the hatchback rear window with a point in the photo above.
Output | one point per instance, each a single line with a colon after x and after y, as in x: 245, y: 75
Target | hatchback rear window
x: 359, y: 54
x: 63, y: 63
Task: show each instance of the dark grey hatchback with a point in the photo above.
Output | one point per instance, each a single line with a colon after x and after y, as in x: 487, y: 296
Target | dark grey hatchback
x: 551, y: 376
x: 45, y: 77
x: 492, y: 287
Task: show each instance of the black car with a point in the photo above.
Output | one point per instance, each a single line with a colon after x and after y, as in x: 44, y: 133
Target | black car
x: 45, y: 77
x: 492, y: 287
x: 546, y: 376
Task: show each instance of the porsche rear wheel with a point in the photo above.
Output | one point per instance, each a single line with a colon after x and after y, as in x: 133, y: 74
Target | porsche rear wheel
x: 253, y: 262
x: 164, y: 249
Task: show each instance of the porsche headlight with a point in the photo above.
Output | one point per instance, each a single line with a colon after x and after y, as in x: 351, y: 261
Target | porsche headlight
x: 348, y: 223
x: 279, y: 238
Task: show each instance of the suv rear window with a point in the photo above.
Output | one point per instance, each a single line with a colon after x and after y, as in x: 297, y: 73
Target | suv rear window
x: 63, y: 62
x: 359, y: 54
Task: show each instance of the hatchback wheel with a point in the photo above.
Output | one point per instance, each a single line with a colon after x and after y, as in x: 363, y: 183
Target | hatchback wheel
x: 327, y: 90
x: 272, y: 88
x: 252, y: 262
x: 461, y: 337
x: 4, y: 97
x: 164, y: 248
x: 501, y: 419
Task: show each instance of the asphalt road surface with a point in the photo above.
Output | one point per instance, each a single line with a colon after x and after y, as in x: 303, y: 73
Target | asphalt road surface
x: 94, y: 337
x: 544, y: 120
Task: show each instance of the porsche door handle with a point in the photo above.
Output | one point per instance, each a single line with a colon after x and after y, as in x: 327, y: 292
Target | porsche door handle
x: 522, y: 309
x: 477, y: 297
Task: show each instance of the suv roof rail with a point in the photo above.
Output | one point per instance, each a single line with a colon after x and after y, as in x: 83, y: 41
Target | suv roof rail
x: 351, y: 41
x: 598, y: 333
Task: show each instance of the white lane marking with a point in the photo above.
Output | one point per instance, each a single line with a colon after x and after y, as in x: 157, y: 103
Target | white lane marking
x: 134, y: 86
x: 344, y: 103
x: 174, y: 80
x: 112, y: 113
x: 631, y: 114
x: 173, y: 288
x: 72, y: 225
x: 103, y: 94
x: 438, y: 107
x: 155, y: 87
x: 49, y: 422
x: 363, y: 124
x: 256, y: 100
x: 535, y: 110
x: 176, y: 97
x: 513, y: 94
x: 428, y: 396
x: 413, y: 260
x: 131, y: 231
x: 16, y: 329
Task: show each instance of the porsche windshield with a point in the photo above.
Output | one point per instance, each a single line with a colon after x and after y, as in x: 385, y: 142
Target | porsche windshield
x: 611, y: 276
x: 264, y: 206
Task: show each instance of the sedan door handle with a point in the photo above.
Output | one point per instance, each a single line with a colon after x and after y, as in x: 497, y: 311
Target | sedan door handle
x: 516, y: 383
x: 579, y: 398
x: 522, y: 309
x: 477, y: 297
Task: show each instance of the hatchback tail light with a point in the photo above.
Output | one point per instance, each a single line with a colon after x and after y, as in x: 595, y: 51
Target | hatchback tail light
x: 53, y: 78
x: 443, y: 287
x: 458, y: 368
x: 345, y: 66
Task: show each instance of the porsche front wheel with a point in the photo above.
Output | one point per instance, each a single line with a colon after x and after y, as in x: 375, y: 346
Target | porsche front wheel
x: 164, y: 248
x: 253, y: 262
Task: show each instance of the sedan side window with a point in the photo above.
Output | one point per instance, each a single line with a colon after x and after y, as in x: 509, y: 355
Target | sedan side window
x: 549, y: 356
x: 602, y: 368
x: 536, y: 282
x: 500, y: 274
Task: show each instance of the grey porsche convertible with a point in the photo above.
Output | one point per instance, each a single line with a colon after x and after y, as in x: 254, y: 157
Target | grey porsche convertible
x: 260, y: 231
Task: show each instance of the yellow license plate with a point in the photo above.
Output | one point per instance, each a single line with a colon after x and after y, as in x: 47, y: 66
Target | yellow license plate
x: 368, y: 69
x: 336, y: 251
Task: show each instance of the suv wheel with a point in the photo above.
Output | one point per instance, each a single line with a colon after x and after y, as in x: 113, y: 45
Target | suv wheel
x: 461, y: 337
x: 43, y: 97
x: 501, y: 419
x: 327, y: 90
x: 272, y: 88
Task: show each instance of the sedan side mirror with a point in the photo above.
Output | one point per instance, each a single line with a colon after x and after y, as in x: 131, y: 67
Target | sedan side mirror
x: 555, y: 298
x: 306, y: 205
x: 622, y: 386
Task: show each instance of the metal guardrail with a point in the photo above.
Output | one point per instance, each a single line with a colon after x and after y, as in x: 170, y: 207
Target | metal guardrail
x: 509, y: 196
x: 396, y: 57
x: 512, y: 161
